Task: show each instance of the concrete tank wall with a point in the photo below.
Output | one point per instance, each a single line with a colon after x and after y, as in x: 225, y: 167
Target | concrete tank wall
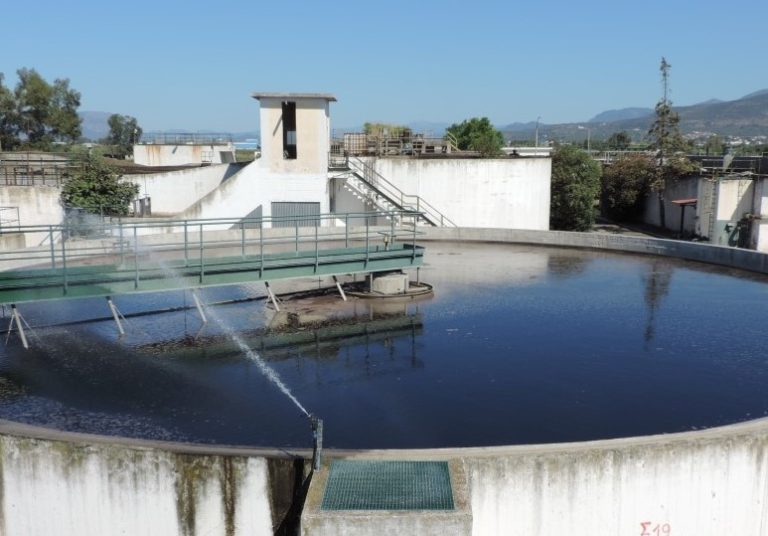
x: 666, y: 485
x: 68, y: 487
x: 513, y: 192
x: 174, y: 191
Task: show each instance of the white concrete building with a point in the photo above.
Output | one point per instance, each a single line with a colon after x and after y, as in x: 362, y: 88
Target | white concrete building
x: 295, y: 176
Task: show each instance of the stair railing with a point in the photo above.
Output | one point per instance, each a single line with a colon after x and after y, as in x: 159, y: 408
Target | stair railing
x: 376, y: 181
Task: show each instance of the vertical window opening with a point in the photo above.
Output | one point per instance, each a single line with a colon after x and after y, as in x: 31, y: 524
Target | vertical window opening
x: 289, y: 130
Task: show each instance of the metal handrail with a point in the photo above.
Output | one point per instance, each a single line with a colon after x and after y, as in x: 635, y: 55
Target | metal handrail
x: 409, y: 202
x: 128, y: 245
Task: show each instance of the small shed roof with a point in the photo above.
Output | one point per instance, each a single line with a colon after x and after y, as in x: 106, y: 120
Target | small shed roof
x: 691, y: 201
x: 293, y: 96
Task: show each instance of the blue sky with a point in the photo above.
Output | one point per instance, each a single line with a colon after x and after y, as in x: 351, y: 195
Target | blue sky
x: 193, y: 65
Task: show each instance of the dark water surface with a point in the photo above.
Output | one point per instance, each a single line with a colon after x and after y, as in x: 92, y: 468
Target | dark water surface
x: 518, y: 345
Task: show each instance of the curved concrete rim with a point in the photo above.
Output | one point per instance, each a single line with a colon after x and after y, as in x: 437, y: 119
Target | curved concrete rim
x: 718, y: 255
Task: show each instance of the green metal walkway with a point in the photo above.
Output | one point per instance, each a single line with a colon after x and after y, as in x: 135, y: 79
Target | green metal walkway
x: 103, y: 259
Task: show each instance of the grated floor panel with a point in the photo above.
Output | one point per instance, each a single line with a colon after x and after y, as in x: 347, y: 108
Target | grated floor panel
x: 388, y: 485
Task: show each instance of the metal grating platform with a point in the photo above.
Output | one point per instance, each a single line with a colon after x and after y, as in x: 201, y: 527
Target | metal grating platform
x: 388, y: 485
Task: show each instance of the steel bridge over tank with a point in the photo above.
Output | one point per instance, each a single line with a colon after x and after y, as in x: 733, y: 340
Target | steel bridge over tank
x: 86, y: 259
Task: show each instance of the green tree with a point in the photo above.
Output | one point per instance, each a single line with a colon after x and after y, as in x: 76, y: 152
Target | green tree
x: 619, y: 141
x: 478, y: 134
x: 575, y: 187
x: 9, y: 126
x: 381, y: 129
x: 714, y: 145
x: 96, y: 187
x: 124, y: 131
x: 625, y: 185
x: 45, y: 112
x: 667, y: 141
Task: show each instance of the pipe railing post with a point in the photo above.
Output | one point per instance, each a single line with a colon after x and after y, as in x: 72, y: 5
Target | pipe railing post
x: 53, y: 248
x: 296, y: 234
x: 186, y: 243
x: 391, y: 229
x: 122, y: 245
x: 261, y: 249
x: 135, y: 258
x: 367, y: 241
x: 242, y: 239
x: 202, y: 258
x: 346, y: 230
x: 317, y: 245
x: 64, y: 260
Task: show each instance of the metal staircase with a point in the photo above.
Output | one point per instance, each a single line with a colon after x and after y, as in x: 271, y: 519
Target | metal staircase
x: 368, y: 185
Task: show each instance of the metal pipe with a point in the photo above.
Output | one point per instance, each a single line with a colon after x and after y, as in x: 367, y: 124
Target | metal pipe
x: 317, y: 441
x: 53, y: 248
x: 16, y: 317
x: 115, y: 315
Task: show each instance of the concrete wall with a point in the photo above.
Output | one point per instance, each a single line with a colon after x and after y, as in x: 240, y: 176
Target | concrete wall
x: 744, y: 259
x: 179, y: 155
x: 69, y: 487
x: 38, y: 205
x: 511, y: 193
x: 697, y: 483
x: 342, y: 200
x: 760, y: 225
x: 687, y: 188
x: 313, y: 135
x: 253, y: 189
x: 174, y: 191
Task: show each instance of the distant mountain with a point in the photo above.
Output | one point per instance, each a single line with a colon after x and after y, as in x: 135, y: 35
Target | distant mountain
x: 758, y: 93
x: 530, y: 126
x: 94, y: 124
x: 710, y: 101
x: 610, y: 116
x: 747, y: 116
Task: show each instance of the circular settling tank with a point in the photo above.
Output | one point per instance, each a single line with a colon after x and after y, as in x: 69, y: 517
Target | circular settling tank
x: 518, y: 344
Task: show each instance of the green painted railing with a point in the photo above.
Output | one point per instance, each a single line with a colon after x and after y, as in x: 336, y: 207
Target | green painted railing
x: 76, y: 260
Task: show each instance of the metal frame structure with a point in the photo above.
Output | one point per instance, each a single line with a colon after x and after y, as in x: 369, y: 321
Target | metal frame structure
x: 105, y: 259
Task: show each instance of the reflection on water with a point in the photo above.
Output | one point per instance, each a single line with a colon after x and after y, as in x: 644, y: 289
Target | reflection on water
x: 518, y: 345
x: 657, y: 282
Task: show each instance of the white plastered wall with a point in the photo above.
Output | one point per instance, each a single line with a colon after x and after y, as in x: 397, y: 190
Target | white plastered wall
x: 507, y: 193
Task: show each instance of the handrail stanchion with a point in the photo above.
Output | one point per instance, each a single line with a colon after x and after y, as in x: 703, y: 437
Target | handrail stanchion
x: 53, y: 248
x: 242, y: 239
x: 64, y: 257
x: 317, y: 245
x: 367, y: 250
x: 202, y: 271
x: 135, y: 259
x: 186, y: 243
x: 346, y: 230
x: 391, y: 228
x: 122, y: 243
x: 296, y: 234
x: 261, y: 249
